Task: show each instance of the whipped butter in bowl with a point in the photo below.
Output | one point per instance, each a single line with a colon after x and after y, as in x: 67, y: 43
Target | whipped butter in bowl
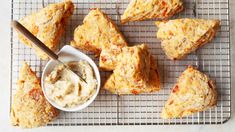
x: 63, y: 89
x: 66, y: 89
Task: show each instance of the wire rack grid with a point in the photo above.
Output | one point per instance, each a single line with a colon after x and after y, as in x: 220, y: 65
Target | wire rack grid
x: 144, y: 109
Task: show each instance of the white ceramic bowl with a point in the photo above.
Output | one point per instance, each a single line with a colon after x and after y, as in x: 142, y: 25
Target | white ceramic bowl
x: 66, y: 54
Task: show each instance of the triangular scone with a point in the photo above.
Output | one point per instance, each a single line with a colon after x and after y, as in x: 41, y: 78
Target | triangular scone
x: 194, y: 92
x: 97, y: 32
x: 147, y: 9
x: 29, y: 107
x: 47, y: 25
x: 134, y: 62
x: 134, y: 73
x: 182, y: 36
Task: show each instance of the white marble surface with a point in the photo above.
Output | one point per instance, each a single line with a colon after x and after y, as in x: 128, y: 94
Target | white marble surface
x: 5, y: 11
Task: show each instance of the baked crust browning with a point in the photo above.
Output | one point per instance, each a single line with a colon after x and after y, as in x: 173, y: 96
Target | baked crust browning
x: 139, y: 10
x: 97, y: 32
x: 29, y: 107
x: 182, y: 36
x: 134, y: 73
x: 194, y: 92
x: 47, y: 25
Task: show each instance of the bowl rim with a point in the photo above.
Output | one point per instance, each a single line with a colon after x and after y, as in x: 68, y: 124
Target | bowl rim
x: 79, y: 56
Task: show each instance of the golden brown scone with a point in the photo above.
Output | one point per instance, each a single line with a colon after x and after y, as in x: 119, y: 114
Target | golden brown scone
x: 194, y: 92
x: 97, y: 32
x: 134, y: 73
x: 147, y: 9
x: 29, y: 107
x: 182, y: 36
x: 47, y: 25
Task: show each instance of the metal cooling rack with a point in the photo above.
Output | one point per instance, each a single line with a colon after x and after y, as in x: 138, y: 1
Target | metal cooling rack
x: 144, y: 109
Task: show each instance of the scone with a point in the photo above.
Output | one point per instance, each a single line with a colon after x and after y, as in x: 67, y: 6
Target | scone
x: 194, y: 92
x: 29, y: 107
x: 47, y: 25
x: 182, y: 36
x: 147, y: 9
x: 134, y: 73
x: 97, y: 32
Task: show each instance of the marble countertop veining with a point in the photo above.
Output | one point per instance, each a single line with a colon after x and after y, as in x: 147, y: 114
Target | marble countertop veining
x: 5, y: 62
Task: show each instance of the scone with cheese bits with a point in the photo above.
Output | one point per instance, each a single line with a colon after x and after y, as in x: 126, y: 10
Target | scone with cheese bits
x: 134, y: 72
x: 47, y: 25
x: 97, y: 32
x: 182, y: 36
x: 29, y: 107
x: 194, y: 92
x: 147, y: 9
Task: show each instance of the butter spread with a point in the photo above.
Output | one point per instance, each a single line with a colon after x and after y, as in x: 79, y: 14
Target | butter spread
x: 66, y: 89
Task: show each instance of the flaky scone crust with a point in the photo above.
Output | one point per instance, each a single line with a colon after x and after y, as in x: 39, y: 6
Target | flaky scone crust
x: 180, y: 37
x: 135, y: 72
x: 194, y: 92
x: 97, y: 32
x: 48, y: 25
x: 29, y: 107
x: 139, y: 10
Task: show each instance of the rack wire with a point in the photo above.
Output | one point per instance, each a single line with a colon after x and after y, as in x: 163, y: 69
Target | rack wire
x: 144, y: 109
